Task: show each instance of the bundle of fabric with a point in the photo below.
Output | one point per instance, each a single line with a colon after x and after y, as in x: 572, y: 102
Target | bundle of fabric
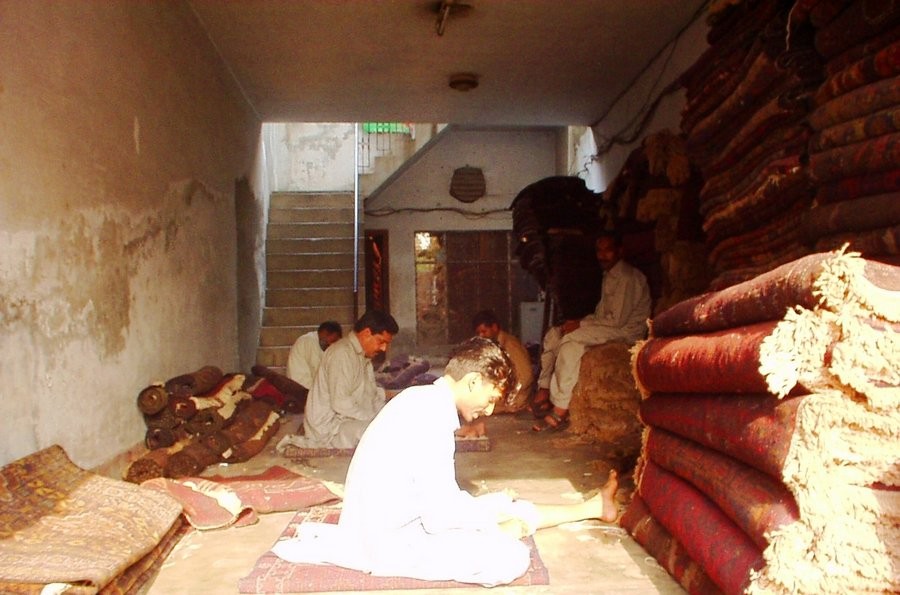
x: 287, y: 394
x: 402, y: 371
x: 773, y: 420
x: 605, y: 400
x: 65, y: 528
x: 242, y: 436
x: 855, y: 147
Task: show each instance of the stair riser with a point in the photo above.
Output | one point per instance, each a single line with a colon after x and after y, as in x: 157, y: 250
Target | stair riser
x: 291, y: 231
x: 313, y: 298
x: 294, y: 262
x: 312, y: 317
x: 305, y: 215
x: 285, y: 200
x: 310, y: 246
x: 310, y: 279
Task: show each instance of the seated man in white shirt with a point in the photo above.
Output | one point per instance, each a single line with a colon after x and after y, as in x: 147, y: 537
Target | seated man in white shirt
x: 306, y: 352
x: 621, y: 315
x: 404, y: 513
x: 344, y: 398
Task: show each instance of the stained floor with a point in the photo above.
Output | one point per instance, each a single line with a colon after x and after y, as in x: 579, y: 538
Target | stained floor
x: 582, y: 558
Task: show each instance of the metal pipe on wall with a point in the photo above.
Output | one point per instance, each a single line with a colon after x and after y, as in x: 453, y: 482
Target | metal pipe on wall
x: 355, y: 222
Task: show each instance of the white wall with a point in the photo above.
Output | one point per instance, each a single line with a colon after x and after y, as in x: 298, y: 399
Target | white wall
x: 122, y: 140
x: 311, y: 157
x: 419, y: 200
x: 599, y: 170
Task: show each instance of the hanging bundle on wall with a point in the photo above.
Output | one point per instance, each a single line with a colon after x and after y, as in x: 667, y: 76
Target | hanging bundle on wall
x: 467, y: 184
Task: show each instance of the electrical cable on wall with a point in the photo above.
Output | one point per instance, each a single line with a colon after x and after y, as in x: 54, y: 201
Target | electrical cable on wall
x: 646, y: 112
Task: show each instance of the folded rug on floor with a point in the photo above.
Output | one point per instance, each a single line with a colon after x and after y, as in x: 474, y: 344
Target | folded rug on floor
x: 271, y: 574
x: 216, y: 502
x: 60, y: 523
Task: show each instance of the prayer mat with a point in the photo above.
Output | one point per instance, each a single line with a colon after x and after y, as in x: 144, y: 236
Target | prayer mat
x: 294, y: 452
x: 62, y: 524
x: 271, y: 574
x: 216, y: 502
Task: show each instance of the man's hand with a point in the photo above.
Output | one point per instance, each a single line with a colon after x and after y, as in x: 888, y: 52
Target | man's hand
x: 514, y: 527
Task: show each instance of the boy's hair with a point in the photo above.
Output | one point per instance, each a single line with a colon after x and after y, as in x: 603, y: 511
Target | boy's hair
x: 377, y: 322
x: 485, y: 317
x: 484, y: 357
x: 333, y: 327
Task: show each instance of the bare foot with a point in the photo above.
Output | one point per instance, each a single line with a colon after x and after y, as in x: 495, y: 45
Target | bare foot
x: 608, y: 494
x: 606, y: 499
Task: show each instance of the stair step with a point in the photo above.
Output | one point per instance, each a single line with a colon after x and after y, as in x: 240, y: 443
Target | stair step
x: 330, y: 200
x: 291, y: 231
x: 324, y: 260
x: 309, y: 279
x: 282, y: 336
x: 312, y: 317
x: 309, y: 245
x: 310, y: 298
x: 273, y: 357
x: 307, y: 215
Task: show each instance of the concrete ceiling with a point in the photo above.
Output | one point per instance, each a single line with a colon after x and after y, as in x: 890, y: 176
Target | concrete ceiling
x: 539, y: 62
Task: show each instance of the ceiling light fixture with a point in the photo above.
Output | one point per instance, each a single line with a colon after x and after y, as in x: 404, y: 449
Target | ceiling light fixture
x: 463, y: 81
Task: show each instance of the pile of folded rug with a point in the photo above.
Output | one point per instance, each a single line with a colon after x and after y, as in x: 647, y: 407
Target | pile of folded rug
x: 744, y: 121
x: 854, y: 150
x: 203, y: 418
x: 772, y: 414
x: 65, y: 529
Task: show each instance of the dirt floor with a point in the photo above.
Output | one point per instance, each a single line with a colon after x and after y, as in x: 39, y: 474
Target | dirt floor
x: 586, y: 557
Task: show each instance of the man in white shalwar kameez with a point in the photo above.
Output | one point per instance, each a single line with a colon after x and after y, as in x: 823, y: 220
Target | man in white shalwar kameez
x: 404, y: 513
x: 344, y: 398
x: 306, y: 352
x: 621, y: 315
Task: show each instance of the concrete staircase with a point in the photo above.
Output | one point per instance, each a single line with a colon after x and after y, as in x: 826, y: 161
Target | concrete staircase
x: 309, y: 270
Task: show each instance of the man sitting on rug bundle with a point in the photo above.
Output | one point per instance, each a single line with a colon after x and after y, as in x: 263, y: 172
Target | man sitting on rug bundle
x: 404, y: 514
x: 621, y: 315
x: 344, y: 398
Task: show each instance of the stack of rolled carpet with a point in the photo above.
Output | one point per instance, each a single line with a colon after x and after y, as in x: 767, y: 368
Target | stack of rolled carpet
x: 772, y: 413
x: 199, y: 419
x: 854, y: 151
x: 744, y: 121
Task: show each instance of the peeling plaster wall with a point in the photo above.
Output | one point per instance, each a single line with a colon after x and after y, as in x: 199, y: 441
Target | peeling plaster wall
x: 415, y: 201
x: 314, y: 157
x: 621, y: 119
x: 123, y: 138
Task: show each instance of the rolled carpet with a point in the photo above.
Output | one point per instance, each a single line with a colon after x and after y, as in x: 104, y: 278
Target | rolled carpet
x: 724, y: 552
x: 194, y: 383
x: 660, y: 544
x: 756, y: 502
x: 152, y: 399
x: 834, y: 280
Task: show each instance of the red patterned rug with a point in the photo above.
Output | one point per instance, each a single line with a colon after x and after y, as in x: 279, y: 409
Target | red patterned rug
x: 216, y: 502
x: 271, y: 574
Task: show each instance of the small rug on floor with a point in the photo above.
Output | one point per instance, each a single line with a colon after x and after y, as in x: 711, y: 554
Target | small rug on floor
x: 271, y: 574
x: 217, y: 501
x: 292, y: 451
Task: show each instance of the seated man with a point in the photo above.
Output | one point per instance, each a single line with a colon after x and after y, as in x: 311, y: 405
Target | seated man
x: 306, y: 352
x: 487, y: 325
x: 344, y: 397
x: 621, y: 315
x: 404, y: 513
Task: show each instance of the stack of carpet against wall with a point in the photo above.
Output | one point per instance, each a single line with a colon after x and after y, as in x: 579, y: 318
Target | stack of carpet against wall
x: 854, y: 152
x: 744, y: 121
x: 203, y: 418
x: 769, y: 460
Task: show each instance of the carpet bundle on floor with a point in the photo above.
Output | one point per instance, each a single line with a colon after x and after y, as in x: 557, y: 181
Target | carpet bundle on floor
x: 773, y: 425
x: 62, y: 524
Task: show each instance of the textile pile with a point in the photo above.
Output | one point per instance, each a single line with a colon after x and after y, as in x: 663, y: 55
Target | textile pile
x: 65, y: 525
x: 203, y: 418
x: 769, y: 461
x: 605, y: 400
x: 744, y: 120
x: 854, y: 151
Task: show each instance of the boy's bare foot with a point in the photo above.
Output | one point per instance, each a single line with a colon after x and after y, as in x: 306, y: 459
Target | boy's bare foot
x: 608, y: 495
x: 606, y: 499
